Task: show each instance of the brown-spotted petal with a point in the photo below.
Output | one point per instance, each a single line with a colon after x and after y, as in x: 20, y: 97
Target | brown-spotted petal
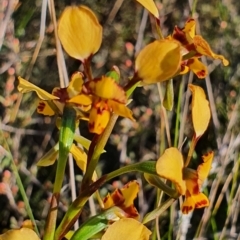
x: 107, y: 88
x: 99, y: 116
x: 203, y: 48
x: 75, y: 86
x: 197, y: 67
x: 45, y: 108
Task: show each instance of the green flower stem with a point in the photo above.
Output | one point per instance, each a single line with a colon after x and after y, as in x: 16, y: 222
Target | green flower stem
x: 157, y: 182
x: 191, y: 150
x: 158, y: 211
x: 97, y: 151
x: 188, y: 55
x: 132, y: 82
x: 65, y: 142
x: 145, y: 167
x: 75, y: 209
x: 180, y: 96
x: 24, y: 195
x: 159, y: 31
x: 87, y: 68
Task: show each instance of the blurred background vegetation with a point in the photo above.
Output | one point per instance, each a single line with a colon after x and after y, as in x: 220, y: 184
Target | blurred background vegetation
x: 127, y: 28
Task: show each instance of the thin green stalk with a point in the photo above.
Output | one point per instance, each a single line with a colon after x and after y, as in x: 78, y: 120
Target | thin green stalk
x: 24, y: 195
x: 146, y: 167
x: 158, y: 211
x: 76, y: 207
x: 19, y: 183
x: 65, y: 142
x: 191, y: 150
x: 180, y: 95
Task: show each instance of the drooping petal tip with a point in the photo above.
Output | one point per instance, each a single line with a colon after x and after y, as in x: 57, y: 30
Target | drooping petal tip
x: 150, y: 6
x: 25, y: 86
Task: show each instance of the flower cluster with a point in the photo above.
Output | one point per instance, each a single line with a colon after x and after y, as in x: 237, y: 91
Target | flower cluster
x: 188, y: 182
x: 94, y: 99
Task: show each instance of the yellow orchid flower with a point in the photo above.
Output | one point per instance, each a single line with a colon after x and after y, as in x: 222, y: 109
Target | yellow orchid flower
x: 123, y: 198
x: 197, y: 46
x: 80, y: 32
x: 193, y: 197
x: 107, y: 97
x: 188, y: 182
x: 51, y: 104
x: 158, y: 61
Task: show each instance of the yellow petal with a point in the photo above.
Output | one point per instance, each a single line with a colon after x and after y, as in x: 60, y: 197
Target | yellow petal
x: 45, y: 109
x: 19, y: 234
x: 184, y: 69
x: 200, y: 200
x: 204, y: 168
x: 169, y: 166
x: 81, y: 99
x: 203, y: 48
x: 188, y: 205
x: 200, y: 110
x: 190, y: 28
x: 108, y: 201
x: 75, y: 85
x: 127, y: 229
x: 28, y: 224
x: 80, y: 157
x: 129, y: 192
x: 120, y: 109
x: 158, y: 61
x: 194, y: 201
x: 80, y: 32
x: 192, y: 186
x: 150, y: 6
x: 197, y: 67
x: 25, y: 86
x: 106, y: 88
x: 50, y: 157
x: 99, y: 117
x: 124, y: 199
